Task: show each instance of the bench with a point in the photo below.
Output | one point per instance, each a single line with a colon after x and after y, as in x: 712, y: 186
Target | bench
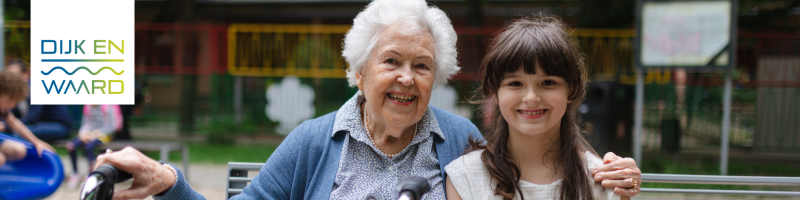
x: 238, y: 179
x: 164, y: 148
x: 237, y: 176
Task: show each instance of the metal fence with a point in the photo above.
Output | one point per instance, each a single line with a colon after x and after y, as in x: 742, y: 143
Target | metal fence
x: 776, y: 85
x: 719, y: 180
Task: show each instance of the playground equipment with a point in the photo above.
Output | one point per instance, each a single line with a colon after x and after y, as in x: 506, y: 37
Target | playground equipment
x: 33, y: 177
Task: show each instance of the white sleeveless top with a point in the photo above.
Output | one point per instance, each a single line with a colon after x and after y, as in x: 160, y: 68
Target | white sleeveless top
x: 472, y: 180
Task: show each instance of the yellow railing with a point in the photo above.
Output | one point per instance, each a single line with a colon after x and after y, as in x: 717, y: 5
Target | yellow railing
x: 609, y: 56
x: 17, y: 24
x: 282, y: 50
x: 609, y: 53
x: 614, y: 33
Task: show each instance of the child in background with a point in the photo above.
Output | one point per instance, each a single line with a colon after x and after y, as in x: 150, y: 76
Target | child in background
x: 47, y: 122
x: 14, y: 89
x: 11, y: 151
x: 97, y: 127
x: 534, y: 80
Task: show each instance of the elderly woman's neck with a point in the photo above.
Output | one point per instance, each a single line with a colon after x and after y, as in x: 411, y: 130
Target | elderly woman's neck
x: 389, y: 137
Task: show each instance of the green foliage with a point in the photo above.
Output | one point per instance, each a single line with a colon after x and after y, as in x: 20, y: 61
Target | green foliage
x: 17, y: 38
x: 224, y: 131
x: 14, y: 13
x: 222, y: 154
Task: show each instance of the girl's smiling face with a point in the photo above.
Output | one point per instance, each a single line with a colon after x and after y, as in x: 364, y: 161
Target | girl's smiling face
x: 533, y: 104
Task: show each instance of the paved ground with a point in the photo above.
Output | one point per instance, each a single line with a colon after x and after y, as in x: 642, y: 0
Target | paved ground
x: 208, y: 180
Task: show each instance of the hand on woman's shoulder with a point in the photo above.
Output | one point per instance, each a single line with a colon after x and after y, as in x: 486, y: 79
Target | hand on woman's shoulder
x: 593, y: 161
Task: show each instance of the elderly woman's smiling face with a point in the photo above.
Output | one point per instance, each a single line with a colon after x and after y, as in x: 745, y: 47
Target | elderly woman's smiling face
x: 397, y: 79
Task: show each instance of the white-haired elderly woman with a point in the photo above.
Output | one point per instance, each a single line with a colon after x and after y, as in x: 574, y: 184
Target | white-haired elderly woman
x: 398, y: 52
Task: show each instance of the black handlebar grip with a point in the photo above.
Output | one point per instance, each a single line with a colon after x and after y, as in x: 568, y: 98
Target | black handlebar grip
x: 112, y: 173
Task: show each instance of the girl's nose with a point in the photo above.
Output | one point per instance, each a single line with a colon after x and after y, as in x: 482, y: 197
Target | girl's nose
x: 531, y: 97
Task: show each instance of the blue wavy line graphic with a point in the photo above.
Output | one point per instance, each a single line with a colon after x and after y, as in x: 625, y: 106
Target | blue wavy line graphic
x: 84, y: 68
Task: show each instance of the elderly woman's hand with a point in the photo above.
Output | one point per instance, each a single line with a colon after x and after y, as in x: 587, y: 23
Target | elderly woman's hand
x: 619, y: 173
x: 149, y: 176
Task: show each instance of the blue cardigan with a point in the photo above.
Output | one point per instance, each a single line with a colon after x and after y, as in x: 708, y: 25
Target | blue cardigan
x: 304, y: 165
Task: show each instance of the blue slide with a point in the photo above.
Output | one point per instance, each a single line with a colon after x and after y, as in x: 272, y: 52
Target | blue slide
x: 32, y: 177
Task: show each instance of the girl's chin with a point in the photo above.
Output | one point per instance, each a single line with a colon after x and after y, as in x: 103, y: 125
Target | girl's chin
x: 532, y: 130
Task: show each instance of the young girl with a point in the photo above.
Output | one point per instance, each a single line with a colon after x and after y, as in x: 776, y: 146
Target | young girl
x: 98, y: 125
x: 533, y: 82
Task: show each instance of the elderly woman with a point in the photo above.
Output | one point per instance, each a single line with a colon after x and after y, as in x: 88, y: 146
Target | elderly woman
x: 398, y: 52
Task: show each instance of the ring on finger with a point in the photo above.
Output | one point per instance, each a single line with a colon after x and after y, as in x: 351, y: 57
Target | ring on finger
x: 634, y: 183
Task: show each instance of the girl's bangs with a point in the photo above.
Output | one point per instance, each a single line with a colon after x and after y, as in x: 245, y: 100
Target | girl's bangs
x: 524, y: 46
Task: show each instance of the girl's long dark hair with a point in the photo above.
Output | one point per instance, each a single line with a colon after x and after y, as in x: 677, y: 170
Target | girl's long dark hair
x: 523, y: 43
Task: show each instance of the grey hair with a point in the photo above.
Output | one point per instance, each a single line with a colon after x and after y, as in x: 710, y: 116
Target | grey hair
x: 361, y: 38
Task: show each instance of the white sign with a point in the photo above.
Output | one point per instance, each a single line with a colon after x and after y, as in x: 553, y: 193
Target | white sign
x: 82, y: 52
x: 684, y: 33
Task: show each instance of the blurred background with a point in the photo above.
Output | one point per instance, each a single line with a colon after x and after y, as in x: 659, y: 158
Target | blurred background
x: 232, y: 77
